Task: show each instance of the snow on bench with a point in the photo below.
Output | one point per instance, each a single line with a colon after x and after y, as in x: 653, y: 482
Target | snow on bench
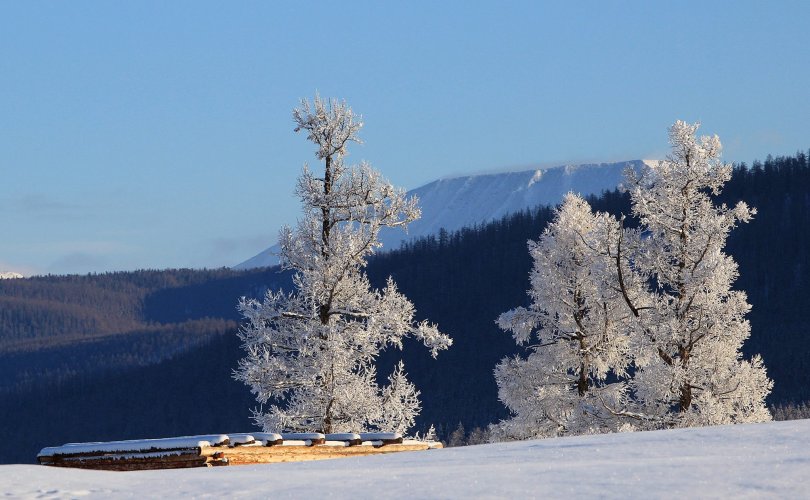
x: 382, y: 437
x: 268, y: 438
x: 137, y: 445
x: 350, y: 438
x: 254, y: 438
x: 312, y: 437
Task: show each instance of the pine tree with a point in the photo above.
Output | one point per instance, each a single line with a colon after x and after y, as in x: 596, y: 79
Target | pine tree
x: 311, y: 353
x: 458, y: 437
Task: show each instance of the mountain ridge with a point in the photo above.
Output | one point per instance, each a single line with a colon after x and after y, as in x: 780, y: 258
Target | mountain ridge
x: 455, y: 202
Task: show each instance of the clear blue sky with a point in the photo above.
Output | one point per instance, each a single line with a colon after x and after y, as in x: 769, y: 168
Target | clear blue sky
x: 158, y: 134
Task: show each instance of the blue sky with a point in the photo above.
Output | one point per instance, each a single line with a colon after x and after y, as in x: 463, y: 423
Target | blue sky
x: 158, y: 134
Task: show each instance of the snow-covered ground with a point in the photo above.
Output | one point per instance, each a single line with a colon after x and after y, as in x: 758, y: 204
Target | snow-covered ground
x: 752, y: 461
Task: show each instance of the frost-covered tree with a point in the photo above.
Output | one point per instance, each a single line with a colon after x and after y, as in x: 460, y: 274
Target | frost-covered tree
x: 692, y: 371
x: 572, y: 382
x: 311, y: 353
x: 637, y: 327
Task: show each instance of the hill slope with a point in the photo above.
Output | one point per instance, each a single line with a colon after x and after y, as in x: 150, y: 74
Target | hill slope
x: 54, y: 327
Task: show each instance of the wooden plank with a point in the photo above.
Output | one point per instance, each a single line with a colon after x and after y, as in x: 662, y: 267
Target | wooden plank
x: 245, y: 455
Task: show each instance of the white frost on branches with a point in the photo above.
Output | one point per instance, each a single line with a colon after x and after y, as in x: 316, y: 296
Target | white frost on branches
x: 311, y: 354
x: 574, y: 373
x: 632, y: 331
x: 693, y: 372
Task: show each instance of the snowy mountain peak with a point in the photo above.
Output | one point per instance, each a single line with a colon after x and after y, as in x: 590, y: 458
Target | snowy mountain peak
x: 10, y: 276
x: 465, y: 201
x: 456, y: 202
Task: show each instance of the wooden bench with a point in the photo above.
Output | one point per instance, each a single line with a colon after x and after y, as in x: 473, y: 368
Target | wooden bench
x: 224, y: 450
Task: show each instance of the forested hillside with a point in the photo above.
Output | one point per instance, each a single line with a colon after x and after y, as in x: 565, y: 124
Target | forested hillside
x: 53, y: 328
x: 180, y: 383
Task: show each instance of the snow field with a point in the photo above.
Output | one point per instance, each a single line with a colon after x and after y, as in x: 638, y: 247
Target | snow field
x: 769, y: 460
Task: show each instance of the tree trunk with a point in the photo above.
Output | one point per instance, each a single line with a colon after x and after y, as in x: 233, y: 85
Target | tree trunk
x: 582, y: 383
x: 685, y: 399
x: 323, y: 309
x: 325, y: 219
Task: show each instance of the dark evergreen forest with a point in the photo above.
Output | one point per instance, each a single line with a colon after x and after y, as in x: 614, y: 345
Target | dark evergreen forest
x: 150, y: 353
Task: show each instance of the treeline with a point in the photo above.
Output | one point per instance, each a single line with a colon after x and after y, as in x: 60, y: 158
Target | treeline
x: 57, y: 327
x: 773, y: 253
x: 461, y: 280
x: 143, y: 347
x: 46, y: 310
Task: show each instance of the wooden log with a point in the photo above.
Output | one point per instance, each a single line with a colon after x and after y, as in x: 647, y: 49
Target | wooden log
x: 127, y: 466
x: 147, y: 457
x: 58, y: 457
x: 392, y: 441
x: 147, y: 461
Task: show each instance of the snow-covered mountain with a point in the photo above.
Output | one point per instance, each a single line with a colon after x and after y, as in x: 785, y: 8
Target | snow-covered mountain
x: 458, y: 202
x: 10, y: 276
x: 265, y: 258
